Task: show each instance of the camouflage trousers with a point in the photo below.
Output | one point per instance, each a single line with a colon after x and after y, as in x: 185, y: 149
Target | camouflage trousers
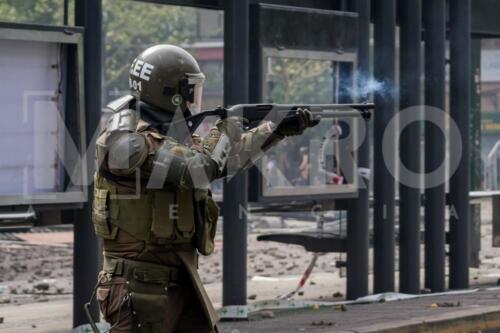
x: 182, y: 311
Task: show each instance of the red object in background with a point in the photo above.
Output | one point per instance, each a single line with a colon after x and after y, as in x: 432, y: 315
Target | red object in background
x: 337, y: 180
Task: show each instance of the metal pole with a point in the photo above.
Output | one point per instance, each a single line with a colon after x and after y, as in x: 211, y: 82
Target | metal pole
x: 65, y: 12
x: 460, y: 85
x: 357, y: 226
x: 435, y: 25
x: 384, y: 72
x: 88, y: 13
x: 236, y: 49
x: 410, y: 64
x: 476, y: 169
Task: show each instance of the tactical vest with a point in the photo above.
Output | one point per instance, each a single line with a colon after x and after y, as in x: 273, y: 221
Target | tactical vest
x: 157, y: 217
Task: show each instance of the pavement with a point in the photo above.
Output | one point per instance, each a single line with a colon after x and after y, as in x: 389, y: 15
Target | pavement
x: 54, y: 316
x: 36, y: 287
x: 453, y: 313
x: 479, y: 311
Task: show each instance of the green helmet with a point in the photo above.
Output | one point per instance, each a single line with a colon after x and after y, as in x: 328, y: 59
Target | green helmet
x: 167, y: 77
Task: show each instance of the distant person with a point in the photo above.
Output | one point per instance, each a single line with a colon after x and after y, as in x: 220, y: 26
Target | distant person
x: 304, y: 167
x: 273, y: 173
x: 284, y: 161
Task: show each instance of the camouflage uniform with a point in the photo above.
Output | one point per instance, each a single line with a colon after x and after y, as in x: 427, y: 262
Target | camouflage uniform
x: 152, y: 206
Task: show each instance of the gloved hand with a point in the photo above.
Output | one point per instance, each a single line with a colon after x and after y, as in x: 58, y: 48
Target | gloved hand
x: 297, y: 124
x: 232, y: 127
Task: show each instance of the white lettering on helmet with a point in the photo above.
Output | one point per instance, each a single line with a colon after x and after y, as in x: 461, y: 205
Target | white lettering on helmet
x: 146, y: 71
x: 132, y: 66
x: 141, y: 69
x: 137, y: 67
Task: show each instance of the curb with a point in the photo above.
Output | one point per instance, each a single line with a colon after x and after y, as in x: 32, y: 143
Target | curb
x: 471, y: 320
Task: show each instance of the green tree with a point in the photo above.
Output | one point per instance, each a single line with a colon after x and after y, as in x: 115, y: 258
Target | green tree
x: 298, y: 80
x: 131, y: 27
x: 128, y: 28
x: 34, y: 11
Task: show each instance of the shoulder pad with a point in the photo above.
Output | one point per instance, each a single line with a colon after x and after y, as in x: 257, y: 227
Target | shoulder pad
x: 120, y: 103
x: 126, y: 153
x: 124, y: 120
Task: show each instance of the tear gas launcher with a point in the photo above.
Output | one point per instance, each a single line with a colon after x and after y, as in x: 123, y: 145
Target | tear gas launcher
x: 254, y: 114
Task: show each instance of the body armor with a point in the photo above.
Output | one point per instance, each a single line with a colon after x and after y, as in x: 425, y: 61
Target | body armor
x: 152, y: 204
x: 149, y: 233
x: 154, y: 219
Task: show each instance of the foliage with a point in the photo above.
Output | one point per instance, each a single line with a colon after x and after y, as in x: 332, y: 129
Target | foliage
x: 297, y: 80
x: 33, y: 11
x: 131, y: 27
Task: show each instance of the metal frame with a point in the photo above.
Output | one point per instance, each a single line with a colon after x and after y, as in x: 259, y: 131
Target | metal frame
x: 434, y: 13
x: 410, y: 62
x: 219, y: 4
x: 460, y: 106
x: 358, y: 210
x: 207, y: 4
x: 327, y: 192
x: 484, y: 21
x: 261, y: 49
x: 67, y: 36
x: 236, y: 90
x: 383, y: 181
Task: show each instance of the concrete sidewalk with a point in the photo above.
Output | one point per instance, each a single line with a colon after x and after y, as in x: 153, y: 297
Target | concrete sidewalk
x: 448, y: 313
x: 471, y: 312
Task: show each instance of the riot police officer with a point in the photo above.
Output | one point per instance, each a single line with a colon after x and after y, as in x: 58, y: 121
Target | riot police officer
x: 152, y: 206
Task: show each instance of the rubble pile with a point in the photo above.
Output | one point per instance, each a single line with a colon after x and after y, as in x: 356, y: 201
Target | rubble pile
x: 34, y: 273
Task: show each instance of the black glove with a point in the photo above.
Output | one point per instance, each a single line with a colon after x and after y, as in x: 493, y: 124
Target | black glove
x: 296, y: 124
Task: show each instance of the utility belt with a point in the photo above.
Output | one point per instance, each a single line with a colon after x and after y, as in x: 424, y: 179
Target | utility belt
x: 147, y: 290
x: 142, y: 271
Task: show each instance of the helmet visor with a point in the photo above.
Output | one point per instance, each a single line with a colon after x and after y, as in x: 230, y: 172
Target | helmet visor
x: 195, y: 84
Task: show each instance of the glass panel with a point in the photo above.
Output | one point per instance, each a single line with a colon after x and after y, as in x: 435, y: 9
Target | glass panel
x: 296, y: 80
x: 490, y: 112
x: 31, y: 130
x: 309, y: 163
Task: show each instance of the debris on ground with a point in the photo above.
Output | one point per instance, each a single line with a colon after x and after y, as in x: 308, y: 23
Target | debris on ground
x: 42, y: 286
x: 266, y: 314
x: 322, y: 323
x: 341, y: 307
x: 446, y: 305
